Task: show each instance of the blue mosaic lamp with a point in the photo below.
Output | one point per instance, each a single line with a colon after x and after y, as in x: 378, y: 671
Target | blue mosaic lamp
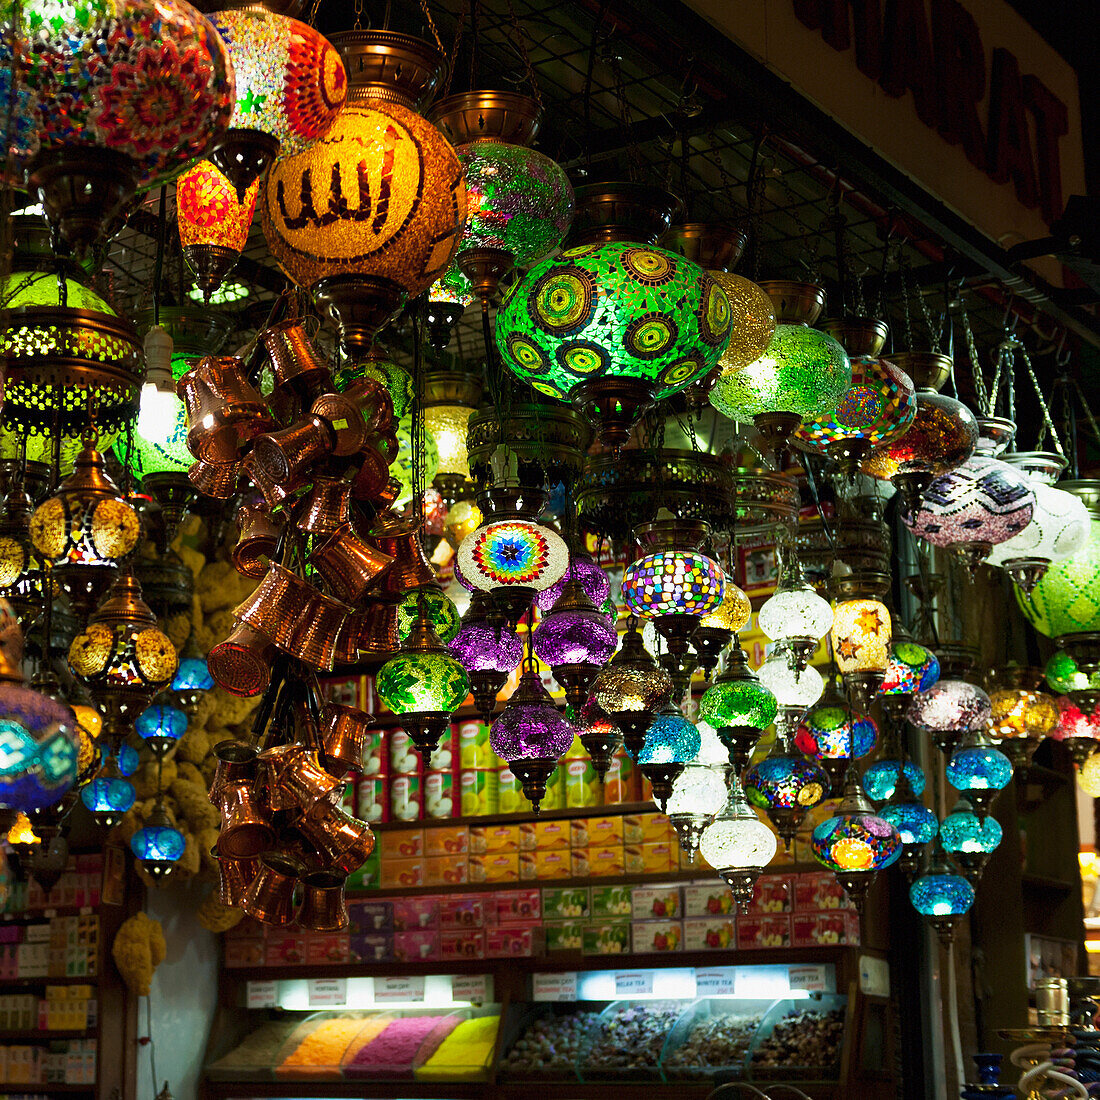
x: 941, y: 896
x: 880, y: 780
x: 969, y: 840
x: 979, y: 770
x: 161, y: 726
x: 108, y: 795
x: 128, y: 760
x: 192, y: 679
x: 916, y: 825
x: 670, y: 742
x: 158, y: 846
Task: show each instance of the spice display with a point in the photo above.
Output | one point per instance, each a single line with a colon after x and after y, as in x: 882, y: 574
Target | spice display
x: 321, y: 1050
x: 466, y: 1052
x: 810, y: 1039
x: 392, y: 1053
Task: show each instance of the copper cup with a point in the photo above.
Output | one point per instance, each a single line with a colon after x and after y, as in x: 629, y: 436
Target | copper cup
x: 344, y: 734
x: 234, y: 878
x: 372, y: 477
x: 411, y: 568
x: 317, y: 632
x: 224, y: 410
x: 241, y: 664
x: 258, y: 535
x: 300, y: 779
x: 345, y: 420
x: 378, y: 636
x: 374, y: 403
x: 217, y: 480
x: 270, y: 896
x: 295, y: 360
x: 278, y: 604
x: 347, y: 641
x: 344, y: 842
x: 325, y: 507
x: 323, y: 908
x: 229, y: 773
x: 286, y: 454
x: 349, y: 565
x: 246, y: 830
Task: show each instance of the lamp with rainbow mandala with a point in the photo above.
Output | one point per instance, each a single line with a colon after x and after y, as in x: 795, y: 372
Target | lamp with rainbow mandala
x: 290, y: 87
x: 488, y: 651
x: 632, y: 688
x: 362, y: 260
x: 941, y: 896
x: 877, y: 407
x: 969, y: 839
x: 785, y: 785
x: 614, y: 323
x: 423, y: 685
x: 123, y: 94
x: 834, y: 733
x: 39, y: 742
x: 855, y: 843
x: 738, y: 845
x: 738, y: 707
x: 972, y: 508
x: 531, y: 735
x: 670, y: 742
x: 213, y: 223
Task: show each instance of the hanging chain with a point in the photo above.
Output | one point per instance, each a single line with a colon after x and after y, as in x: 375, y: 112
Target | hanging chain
x: 1003, y: 369
x: 1086, y: 410
x: 427, y: 15
x: 312, y: 17
x: 975, y: 364
x: 754, y: 194
x: 809, y: 241
x: 861, y: 297
x: 521, y: 45
x: 1048, y: 421
x: 358, y: 15
x: 632, y: 150
x: 934, y: 330
x: 460, y: 23
x: 903, y: 271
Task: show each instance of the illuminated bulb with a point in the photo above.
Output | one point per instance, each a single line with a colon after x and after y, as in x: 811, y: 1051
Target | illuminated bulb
x: 712, y: 751
x: 158, y: 414
x: 698, y: 789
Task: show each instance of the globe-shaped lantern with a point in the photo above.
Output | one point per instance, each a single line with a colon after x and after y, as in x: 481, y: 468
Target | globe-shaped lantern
x: 1078, y: 728
x: 715, y: 630
x: 488, y: 651
x: 442, y: 613
x: 123, y: 94
x: 158, y: 845
x: 1067, y: 598
x: 785, y: 785
x: 878, y: 407
x: 448, y: 298
x: 123, y: 657
x: 738, y: 845
x: 291, y: 85
x: 861, y: 634
x: 698, y: 795
x: 969, y: 839
x: 1020, y: 714
x: 108, y: 795
x: 191, y: 681
x: 423, y: 685
x: 794, y: 689
x: 739, y: 708
x: 910, y: 668
x: 612, y: 328
x: 161, y: 726
x: 915, y: 822
x: 599, y: 736
x: 159, y: 438
x: 978, y: 770
x: 370, y: 215
x: 1088, y: 775
x: 213, y: 223
x: 670, y: 742
x: 531, y: 735
x: 594, y: 581
x: 972, y: 508
x: 575, y: 639
x: 128, y: 759
x: 880, y: 779
x: 752, y: 318
x: 796, y: 616
x: 39, y: 742
x: 941, y: 896
x: 377, y: 366
x: 948, y: 710
x: 834, y: 735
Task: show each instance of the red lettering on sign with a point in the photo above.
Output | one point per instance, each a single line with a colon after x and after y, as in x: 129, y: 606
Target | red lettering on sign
x: 1009, y: 141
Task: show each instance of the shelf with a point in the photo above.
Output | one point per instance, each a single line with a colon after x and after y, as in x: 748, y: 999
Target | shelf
x: 620, y: 809
x: 39, y: 915
x: 46, y: 1090
x: 561, y: 961
x: 41, y: 1035
x: 359, y: 1089
x: 31, y: 983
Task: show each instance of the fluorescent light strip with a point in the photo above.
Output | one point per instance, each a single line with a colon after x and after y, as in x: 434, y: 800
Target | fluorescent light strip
x: 293, y: 995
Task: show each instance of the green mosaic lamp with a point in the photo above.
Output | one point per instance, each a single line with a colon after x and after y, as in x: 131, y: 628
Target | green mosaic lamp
x: 442, y: 613
x: 739, y: 707
x: 423, y: 685
x: 804, y: 373
x: 1066, y: 600
x: 377, y: 366
x: 614, y: 323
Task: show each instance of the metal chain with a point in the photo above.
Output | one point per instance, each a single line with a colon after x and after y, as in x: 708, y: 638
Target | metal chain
x: 1086, y: 410
x: 427, y: 15
x: 521, y: 45
x: 903, y: 271
x: 810, y: 241
x: 457, y: 41
x: 358, y: 15
x: 975, y: 364
x: 861, y: 298
x: 312, y: 17
x: 1005, y: 365
x: 933, y: 331
x: 632, y: 149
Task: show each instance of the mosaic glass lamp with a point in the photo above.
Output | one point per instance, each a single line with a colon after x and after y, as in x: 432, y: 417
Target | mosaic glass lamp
x: 423, y: 685
x: 979, y: 770
x: 290, y: 87
x: 716, y: 629
x: 973, y: 507
x: 969, y: 839
x: 613, y: 328
x: 794, y: 689
x: 833, y: 733
x: 160, y: 432
x: 448, y: 298
x: 1088, y: 775
x: 698, y: 795
x: 441, y: 612
x: 915, y: 822
x: 1020, y: 714
x: 670, y: 742
x: 1078, y: 728
x: 785, y: 785
x: 599, y: 736
x: 531, y: 735
x: 193, y: 675
x: 738, y: 845
x: 877, y: 407
x: 158, y: 846
x: 161, y: 726
x: 949, y: 710
x: 1067, y: 599
x: 910, y: 668
x: 108, y: 795
x: 575, y: 639
x: 941, y: 896
x: 213, y: 223
x: 860, y: 635
x: 753, y: 321
x: 880, y: 779
x: 739, y: 708
x: 128, y: 759
x: 377, y: 366
x: 796, y: 616
x: 487, y: 651
x: 582, y: 567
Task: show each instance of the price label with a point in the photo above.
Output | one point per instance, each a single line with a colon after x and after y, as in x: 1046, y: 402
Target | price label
x: 716, y: 982
x: 260, y: 994
x: 874, y: 976
x: 387, y: 990
x: 555, y: 987
x: 808, y: 978
x: 633, y: 983
x: 470, y: 987
x: 327, y: 992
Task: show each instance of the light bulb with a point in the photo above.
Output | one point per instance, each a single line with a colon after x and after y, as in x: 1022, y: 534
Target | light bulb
x: 158, y: 414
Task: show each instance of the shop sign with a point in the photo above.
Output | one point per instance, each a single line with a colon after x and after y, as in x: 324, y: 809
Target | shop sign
x: 327, y: 992
x: 398, y: 989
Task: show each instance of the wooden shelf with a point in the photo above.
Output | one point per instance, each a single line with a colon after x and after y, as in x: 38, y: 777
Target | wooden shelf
x: 619, y: 809
x: 32, y: 983
x: 42, y: 1035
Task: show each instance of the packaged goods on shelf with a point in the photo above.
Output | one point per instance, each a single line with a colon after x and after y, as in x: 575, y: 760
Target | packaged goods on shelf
x: 656, y: 936
x: 606, y: 938
x: 709, y: 934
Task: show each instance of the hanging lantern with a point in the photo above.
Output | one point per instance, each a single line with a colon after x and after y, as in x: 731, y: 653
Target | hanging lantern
x: 442, y: 613
x: 943, y: 433
x: 877, y: 408
x: 632, y: 689
x: 881, y: 779
x: 1020, y: 715
x: 972, y: 508
x: 1088, y: 775
x: 423, y: 685
x: 915, y: 823
x: 450, y: 398
x: 575, y: 639
x: 614, y: 323
x: 698, y: 795
x: 158, y: 845
x: 122, y: 656
x: 1066, y: 600
x: 39, y: 743
x: 909, y: 668
x: 191, y: 681
x: 941, y: 896
x: 673, y: 585
x: 716, y: 629
x: 803, y: 372
x: 739, y: 708
x: 978, y: 770
x: 370, y: 216
x: 948, y: 710
x: 213, y: 223
x: 160, y: 727
x: 124, y: 93
x: 531, y: 735
x: 520, y: 203
x: 855, y: 843
x: 670, y: 742
x: 291, y: 85
x: 796, y: 616
x: 488, y: 652
x: 448, y: 298
x: 969, y: 839
x: 377, y: 366
x: 861, y: 633
x: 834, y: 734
x: 794, y: 689
x: 108, y: 795
x: 582, y: 567
x: 785, y: 785
x: 1078, y: 729
x: 598, y: 735
x: 738, y: 845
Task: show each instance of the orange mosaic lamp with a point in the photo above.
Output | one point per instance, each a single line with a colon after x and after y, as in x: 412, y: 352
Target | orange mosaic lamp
x: 213, y: 223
